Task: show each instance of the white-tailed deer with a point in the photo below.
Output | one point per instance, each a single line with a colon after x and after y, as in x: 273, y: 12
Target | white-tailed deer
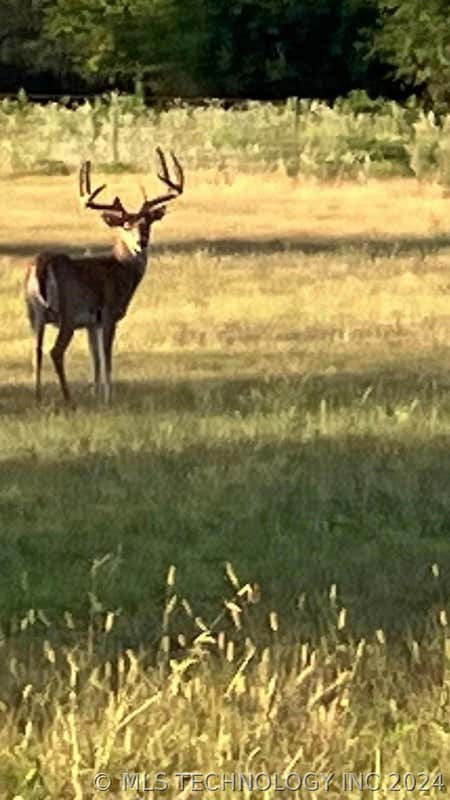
x: 94, y: 292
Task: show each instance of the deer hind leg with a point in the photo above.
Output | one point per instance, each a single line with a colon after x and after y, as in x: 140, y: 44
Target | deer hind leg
x: 57, y: 354
x: 93, y: 340
x: 40, y: 328
x: 37, y: 323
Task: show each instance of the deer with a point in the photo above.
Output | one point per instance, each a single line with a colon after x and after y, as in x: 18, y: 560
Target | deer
x: 94, y: 292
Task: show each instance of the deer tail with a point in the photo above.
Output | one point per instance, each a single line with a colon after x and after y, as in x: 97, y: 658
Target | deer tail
x: 36, y: 283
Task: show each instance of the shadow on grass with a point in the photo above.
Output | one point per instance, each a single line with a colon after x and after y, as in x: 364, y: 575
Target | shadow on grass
x: 373, y: 247
x: 294, y: 514
x: 226, y: 383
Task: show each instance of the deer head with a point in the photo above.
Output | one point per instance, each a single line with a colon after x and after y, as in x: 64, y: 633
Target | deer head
x: 133, y: 228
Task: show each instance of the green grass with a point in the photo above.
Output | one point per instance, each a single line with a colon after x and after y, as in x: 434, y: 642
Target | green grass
x: 303, y: 458
x: 297, y: 492
x: 281, y: 404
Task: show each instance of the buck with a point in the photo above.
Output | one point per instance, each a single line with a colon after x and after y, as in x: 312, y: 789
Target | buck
x: 94, y: 292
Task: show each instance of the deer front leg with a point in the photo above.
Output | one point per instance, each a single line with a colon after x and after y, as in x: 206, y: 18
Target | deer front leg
x: 106, y: 339
x: 93, y: 339
x: 57, y: 354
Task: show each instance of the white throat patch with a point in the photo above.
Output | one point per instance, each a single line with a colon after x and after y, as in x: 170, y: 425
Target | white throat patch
x: 130, y: 238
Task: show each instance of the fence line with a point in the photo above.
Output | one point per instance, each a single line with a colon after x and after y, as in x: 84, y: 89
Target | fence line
x: 150, y: 100
x: 301, y: 137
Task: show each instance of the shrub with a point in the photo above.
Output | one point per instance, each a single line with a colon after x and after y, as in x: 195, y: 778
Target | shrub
x: 355, y: 138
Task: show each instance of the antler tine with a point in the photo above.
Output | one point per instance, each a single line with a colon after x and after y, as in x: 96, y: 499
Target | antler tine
x: 88, y: 196
x: 179, y: 171
x: 165, y: 177
x: 88, y: 176
x: 176, y: 187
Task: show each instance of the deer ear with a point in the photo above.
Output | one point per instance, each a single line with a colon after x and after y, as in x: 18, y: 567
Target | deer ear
x: 112, y: 219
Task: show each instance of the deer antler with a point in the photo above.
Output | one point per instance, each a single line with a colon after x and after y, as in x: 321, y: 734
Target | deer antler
x: 88, y: 196
x: 176, y: 186
x: 165, y: 177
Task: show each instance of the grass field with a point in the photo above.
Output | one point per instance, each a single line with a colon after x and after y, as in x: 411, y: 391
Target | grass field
x: 282, y: 402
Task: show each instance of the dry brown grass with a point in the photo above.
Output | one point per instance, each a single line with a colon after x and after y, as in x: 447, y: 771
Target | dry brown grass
x: 245, y: 207
x: 263, y: 263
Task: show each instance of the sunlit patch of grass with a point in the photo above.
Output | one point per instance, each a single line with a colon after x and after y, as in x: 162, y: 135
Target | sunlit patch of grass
x: 243, y: 712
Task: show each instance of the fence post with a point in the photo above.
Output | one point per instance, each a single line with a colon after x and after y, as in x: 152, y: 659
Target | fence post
x: 291, y: 156
x: 296, y: 143
x: 114, y: 112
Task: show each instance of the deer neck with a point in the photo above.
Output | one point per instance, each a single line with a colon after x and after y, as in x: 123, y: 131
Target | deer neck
x: 126, y: 256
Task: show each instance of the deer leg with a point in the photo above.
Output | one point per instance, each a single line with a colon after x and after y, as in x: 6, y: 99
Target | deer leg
x: 57, y: 354
x: 38, y: 359
x: 106, y: 334
x: 93, y: 339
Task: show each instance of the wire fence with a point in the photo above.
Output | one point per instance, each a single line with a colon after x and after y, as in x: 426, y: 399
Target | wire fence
x: 300, y: 137
x: 69, y: 99
x: 119, y: 131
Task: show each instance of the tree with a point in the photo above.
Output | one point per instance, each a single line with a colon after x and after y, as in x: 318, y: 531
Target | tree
x: 414, y: 37
x: 277, y: 48
x: 21, y: 26
x: 87, y: 31
x: 239, y: 48
x: 259, y: 48
x: 27, y: 56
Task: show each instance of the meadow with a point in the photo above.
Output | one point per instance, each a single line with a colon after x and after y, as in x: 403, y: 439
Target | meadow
x: 242, y: 564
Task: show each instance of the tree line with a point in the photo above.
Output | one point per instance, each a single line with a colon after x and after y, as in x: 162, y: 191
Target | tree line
x: 228, y: 48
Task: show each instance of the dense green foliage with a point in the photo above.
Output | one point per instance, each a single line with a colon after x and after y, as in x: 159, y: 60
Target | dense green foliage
x: 234, y: 48
x: 415, y: 38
